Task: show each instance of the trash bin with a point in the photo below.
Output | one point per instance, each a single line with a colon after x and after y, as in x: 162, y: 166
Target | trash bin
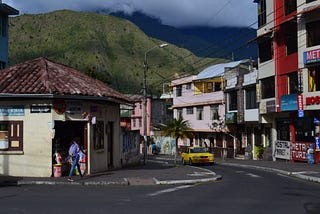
x: 57, y: 170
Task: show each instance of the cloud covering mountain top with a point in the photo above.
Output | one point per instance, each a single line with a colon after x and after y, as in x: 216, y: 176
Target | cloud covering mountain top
x: 177, y: 13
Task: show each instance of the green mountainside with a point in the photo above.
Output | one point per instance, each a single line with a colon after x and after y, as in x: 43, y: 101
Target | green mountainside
x: 102, y: 46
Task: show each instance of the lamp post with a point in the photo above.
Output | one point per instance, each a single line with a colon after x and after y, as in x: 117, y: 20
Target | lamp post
x: 145, y: 68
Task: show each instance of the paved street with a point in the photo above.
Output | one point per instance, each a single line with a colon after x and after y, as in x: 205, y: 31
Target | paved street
x: 159, y: 170
x: 241, y: 190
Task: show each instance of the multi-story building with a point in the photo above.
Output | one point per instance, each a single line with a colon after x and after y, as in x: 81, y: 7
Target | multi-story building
x: 199, y: 99
x: 288, y: 40
x: 5, y: 12
x: 242, y: 115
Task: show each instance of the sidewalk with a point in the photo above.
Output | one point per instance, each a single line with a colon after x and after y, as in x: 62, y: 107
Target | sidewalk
x: 155, y: 172
x: 158, y: 171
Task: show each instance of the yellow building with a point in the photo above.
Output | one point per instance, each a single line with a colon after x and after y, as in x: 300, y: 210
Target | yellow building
x: 43, y: 106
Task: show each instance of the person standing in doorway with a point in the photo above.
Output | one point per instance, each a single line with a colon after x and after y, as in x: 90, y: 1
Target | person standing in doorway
x: 74, y: 153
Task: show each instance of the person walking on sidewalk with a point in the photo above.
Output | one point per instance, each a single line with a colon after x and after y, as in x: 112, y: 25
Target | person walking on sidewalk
x: 74, y: 153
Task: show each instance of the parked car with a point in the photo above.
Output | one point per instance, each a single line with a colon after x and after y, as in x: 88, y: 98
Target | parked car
x: 197, y: 155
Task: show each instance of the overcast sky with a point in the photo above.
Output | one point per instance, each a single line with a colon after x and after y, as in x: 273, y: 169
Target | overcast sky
x: 177, y: 13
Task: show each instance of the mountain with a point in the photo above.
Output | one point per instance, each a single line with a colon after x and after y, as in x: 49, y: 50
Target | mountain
x: 102, y: 46
x: 223, y: 42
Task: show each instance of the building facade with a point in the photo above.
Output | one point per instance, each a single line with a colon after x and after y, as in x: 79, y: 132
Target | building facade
x: 288, y: 40
x: 200, y: 100
x: 44, y: 105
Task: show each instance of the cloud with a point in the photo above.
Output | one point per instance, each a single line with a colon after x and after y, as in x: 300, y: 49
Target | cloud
x: 178, y: 13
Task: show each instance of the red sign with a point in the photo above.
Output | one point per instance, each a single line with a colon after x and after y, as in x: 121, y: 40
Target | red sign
x: 312, y: 56
x: 298, y: 151
x: 315, y: 100
x: 300, y: 101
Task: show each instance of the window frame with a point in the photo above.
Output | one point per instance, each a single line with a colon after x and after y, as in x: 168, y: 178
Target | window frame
x: 290, y: 6
x: 262, y: 13
x: 251, y: 97
x: 265, y: 49
x: 233, y: 100
x: 199, y: 112
x: 178, y: 91
x: 14, y: 135
x: 189, y: 110
x: 313, y: 33
x: 293, y: 87
x: 268, y: 87
x: 214, y: 112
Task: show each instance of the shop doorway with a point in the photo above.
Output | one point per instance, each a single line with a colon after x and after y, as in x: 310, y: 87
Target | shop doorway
x: 64, y: 133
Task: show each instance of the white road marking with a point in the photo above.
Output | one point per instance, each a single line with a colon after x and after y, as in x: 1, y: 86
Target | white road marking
x: 168, y: 190
x: 253, y: 175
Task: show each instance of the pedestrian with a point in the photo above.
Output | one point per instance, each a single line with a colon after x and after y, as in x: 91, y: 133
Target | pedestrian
x: 74, y: 154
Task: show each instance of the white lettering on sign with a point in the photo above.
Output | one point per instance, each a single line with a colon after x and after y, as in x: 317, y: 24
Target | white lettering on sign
x: 298, y: 151
x: 312, y: 55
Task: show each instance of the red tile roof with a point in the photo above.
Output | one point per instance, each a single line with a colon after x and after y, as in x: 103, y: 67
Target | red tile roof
x: 43, y: 76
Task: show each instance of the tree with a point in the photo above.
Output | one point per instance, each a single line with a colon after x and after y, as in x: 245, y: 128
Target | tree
x: 177, y: 128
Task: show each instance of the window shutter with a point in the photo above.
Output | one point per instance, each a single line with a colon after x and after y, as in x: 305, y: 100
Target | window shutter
x: 16, y: 135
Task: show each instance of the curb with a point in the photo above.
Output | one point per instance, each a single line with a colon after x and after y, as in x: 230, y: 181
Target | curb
x: 283, y: 172
x: 193, y: 181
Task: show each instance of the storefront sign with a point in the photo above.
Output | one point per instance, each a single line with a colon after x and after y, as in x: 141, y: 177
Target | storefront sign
x: 298, y: 151
x: 289, y: 102
x: 282, y: 149
x: 311, y: 56
x: 40, y: 109
x: 11, y: 110
x: 314, y: 100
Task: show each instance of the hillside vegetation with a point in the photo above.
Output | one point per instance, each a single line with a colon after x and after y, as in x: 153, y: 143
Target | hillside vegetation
x: 102, y: 46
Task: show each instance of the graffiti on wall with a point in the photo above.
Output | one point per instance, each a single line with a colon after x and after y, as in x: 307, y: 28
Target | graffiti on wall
x: 130, y: 147
x: 167, y: 145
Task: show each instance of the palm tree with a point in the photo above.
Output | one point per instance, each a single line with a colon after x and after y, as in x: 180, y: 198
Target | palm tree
x: 177, y: 128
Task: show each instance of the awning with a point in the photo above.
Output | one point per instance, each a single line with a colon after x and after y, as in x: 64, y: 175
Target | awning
x: 309, y: 9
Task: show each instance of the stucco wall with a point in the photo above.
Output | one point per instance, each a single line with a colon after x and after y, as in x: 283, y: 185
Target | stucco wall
x: 38, y: 132
x: 35, y: 159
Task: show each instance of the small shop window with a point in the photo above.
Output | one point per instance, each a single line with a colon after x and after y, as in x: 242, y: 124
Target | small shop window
x: 98, y: 135
x: 11, y: 135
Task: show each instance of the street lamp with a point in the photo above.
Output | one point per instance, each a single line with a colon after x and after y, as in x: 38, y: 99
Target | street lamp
x: 145, y: 68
